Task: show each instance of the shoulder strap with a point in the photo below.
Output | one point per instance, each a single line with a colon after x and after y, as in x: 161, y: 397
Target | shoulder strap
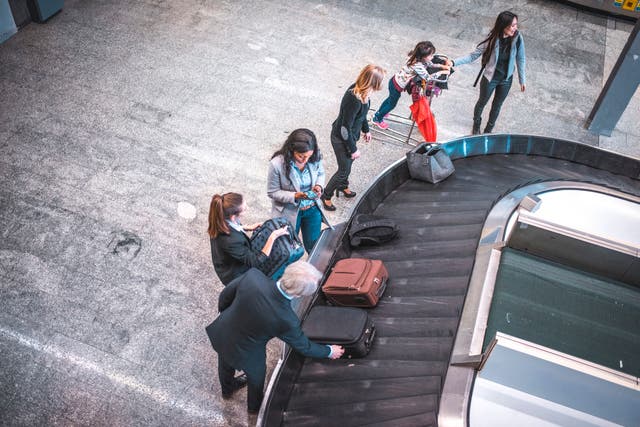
x: 475, y: 83
x: 383, y: 222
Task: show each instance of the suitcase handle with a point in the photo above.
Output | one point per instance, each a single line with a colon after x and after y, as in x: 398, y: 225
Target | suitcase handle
x: 382, y: 288
x: 373, y: 334
x: 291, y: 236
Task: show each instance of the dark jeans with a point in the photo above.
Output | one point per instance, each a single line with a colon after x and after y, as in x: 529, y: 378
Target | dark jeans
x: 255, y: 386
x: 487, y: 88
x: 340, y: 179
x: 310, y: 221
x: 389, y: 103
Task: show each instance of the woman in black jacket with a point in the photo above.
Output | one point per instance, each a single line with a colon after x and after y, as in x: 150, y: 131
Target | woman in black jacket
x: 345, y: 131
x: 230, y: 247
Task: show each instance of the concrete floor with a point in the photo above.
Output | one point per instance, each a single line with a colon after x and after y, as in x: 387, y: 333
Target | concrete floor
x: 117, y: 117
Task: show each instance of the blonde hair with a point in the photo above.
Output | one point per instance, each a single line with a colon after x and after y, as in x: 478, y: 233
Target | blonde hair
x: 300, y: 279
x: 370, y: 78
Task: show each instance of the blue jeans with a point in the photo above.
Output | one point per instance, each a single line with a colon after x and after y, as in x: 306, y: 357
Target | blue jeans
x: 389, y: 103
x: 501, y: 88
x: 310, y: 221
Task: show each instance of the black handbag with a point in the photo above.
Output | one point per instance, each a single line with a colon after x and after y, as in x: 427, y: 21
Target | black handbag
x: 286, y: 249
x: 371, y: 230
x: 429, y: 163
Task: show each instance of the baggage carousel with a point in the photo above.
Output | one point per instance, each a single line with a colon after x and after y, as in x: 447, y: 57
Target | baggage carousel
x: 400, y: 382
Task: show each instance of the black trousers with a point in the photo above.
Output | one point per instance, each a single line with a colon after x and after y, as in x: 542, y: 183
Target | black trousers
x: 501, y: 88
x: 340, y: 179
x: 255, y: 384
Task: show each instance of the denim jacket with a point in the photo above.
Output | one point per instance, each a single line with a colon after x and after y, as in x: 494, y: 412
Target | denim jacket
x: 517, y: 58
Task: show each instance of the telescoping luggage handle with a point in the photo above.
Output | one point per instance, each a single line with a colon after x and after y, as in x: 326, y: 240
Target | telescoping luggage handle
x: 290, y: 235
x: 382, y: 288
x: 371, y: 336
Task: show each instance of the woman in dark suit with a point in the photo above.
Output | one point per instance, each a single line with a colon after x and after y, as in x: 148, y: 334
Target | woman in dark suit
x: 230, y: 248
x: 346, y: 129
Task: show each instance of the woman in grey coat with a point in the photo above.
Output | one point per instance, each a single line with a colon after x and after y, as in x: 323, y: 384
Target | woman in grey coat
x: 295, y: 183
x: 502, y: 51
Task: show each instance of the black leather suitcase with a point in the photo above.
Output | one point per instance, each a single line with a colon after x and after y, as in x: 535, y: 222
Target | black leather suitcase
x: 346, y: 326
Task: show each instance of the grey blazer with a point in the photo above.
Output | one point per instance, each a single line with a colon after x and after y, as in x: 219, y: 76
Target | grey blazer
x: 281, y: 190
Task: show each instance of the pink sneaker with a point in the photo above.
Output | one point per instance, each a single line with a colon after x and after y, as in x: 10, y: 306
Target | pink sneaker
x: 381, y: 124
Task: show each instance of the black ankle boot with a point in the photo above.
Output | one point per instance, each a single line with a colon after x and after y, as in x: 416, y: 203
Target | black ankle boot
x: 476, y: 128
x: 488, y: 129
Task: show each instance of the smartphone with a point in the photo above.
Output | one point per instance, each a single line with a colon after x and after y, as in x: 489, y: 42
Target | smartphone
x: 311, y: 194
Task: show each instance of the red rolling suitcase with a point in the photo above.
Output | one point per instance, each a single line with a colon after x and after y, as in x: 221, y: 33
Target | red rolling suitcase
x: 356, y: 282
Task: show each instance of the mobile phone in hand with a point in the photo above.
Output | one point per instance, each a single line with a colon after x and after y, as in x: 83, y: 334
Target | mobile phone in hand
x: 311, y: 194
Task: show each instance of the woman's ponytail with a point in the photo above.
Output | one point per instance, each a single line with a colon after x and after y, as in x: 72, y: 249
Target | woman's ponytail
x: 222, y: 208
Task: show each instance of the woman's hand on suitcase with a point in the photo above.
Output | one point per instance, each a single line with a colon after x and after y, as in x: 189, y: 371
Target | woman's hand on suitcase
x: 272, y: 238
x: 279, y: 232
x: 252, y: 227
x: 336, y: 351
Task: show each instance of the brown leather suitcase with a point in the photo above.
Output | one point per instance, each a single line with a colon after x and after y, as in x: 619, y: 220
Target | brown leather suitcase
x: 356, y: 282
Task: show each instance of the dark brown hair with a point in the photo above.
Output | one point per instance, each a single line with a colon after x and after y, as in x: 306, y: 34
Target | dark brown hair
x: 299, y: 141
x: 503, y: 20
x: 421, y: 50
x: 221, y: 209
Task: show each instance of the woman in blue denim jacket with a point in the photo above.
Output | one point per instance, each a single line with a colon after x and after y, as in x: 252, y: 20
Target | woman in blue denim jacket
x: 502, y: 51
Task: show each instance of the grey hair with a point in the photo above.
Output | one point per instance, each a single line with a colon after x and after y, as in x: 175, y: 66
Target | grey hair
x: 300, y: 279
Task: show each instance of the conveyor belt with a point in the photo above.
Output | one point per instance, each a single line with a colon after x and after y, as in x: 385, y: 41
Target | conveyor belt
x: 400, y: 382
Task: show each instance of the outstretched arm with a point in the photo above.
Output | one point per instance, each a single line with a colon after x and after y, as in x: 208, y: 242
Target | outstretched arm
x: 477, y: 53
x: 300, y: 343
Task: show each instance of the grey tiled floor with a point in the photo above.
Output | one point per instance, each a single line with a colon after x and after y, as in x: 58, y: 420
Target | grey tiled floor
x: 114, y: 112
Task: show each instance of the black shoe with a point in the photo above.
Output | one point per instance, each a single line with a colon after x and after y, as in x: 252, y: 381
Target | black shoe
x: 238, y: 382
x: 488, y: 129
x: 327, y: 207
x: 348, y: 194
x: 476, y: 128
